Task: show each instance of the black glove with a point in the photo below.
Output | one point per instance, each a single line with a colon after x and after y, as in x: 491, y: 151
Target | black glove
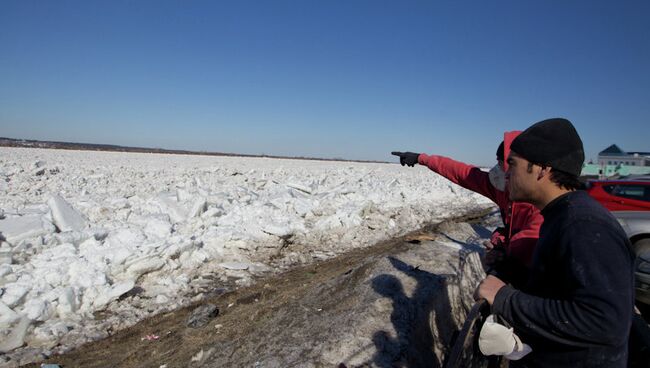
x: 407, y: 158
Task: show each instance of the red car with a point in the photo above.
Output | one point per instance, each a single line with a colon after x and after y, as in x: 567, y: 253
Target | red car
x: 622, y: 195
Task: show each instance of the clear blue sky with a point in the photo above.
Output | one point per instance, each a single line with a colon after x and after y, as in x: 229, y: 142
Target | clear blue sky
x: 350, y: 79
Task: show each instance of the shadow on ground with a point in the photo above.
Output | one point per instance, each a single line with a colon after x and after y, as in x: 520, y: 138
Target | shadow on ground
x: 412, y: 345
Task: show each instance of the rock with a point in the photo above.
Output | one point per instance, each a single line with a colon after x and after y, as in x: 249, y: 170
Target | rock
x: 15, y: 229
x: 202, y: 315
x: 64, y: 216
x: 201, y: 356
x: 16, y: 338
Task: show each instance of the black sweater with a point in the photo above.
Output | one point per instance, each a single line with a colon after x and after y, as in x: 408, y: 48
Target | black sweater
x: 576, y: 308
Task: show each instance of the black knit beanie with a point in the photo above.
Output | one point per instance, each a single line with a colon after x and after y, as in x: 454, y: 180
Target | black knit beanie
x: 552, y: 142
x: 500, y: 152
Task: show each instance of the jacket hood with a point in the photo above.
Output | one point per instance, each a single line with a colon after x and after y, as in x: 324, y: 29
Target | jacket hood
x: 508, y: 137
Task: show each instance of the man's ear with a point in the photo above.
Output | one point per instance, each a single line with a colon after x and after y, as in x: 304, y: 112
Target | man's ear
x: 544, y: 171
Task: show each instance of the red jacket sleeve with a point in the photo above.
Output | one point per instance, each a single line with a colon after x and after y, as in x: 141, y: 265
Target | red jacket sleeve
x: 525, y: 223
x: 467, y: 176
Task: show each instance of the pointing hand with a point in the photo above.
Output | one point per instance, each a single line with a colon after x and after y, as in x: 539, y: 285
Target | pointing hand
x: 407, y: 158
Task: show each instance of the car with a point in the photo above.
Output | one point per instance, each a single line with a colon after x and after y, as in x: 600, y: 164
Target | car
x: 637, y: 227
x: 622, y: 194
x: 629, y: 201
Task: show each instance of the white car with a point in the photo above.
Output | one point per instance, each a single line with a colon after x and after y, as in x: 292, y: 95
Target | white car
x: 637, y: 227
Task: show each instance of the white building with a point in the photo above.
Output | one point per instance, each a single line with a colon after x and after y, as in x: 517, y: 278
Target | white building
x: 613, y: 155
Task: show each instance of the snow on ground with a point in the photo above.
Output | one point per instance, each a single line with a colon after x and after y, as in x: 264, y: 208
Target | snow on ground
x: 95, y: 241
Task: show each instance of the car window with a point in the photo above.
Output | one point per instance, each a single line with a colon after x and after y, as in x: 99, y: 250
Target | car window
x: 631, y: 191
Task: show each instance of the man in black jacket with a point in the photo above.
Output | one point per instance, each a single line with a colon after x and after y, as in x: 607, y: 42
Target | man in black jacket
x: 576, y: 308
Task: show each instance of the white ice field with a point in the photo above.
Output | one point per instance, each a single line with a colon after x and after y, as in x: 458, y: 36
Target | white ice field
x: 132, y: 234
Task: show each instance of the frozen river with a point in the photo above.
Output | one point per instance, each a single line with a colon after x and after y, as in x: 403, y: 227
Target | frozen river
x: 128, y: 235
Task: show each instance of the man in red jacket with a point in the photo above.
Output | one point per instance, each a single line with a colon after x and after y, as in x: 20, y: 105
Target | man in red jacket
x: 521, y: 220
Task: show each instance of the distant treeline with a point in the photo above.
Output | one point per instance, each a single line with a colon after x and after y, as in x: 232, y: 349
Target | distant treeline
x: 11, y: 142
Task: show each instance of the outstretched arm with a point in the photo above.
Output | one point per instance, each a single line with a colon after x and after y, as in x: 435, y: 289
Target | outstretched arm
x: 467, y: 176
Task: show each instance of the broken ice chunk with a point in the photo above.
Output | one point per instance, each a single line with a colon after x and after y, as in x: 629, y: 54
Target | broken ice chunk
x: 115, y: 292
x: 16, y: 338
x: 171, y: 208
x: 64, y: 216
x: 7, y: 315
x: 200, y: 205
x: 14, y: 294
x: 15, y: 229
x: 279, y: 231
x: 299, y: 187
x: 213, y: 212
x: 5, y: 270
x: 234, y: 265
x: 143, y: 266
x: 38, y: 309
x: 68, y: 303
x: 6, y: 257
x: 157, y: 228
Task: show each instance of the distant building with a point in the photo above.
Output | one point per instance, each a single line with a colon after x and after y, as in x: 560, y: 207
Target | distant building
x: 613, y: 162
x: 613, y: 155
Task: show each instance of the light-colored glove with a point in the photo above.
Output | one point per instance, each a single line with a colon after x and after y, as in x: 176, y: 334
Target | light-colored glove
x: 497, y: 339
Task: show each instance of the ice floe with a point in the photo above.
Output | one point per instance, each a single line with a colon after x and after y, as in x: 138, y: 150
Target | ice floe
x: 134, y: 234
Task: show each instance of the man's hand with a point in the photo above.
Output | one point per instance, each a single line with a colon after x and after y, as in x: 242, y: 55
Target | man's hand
x: 488, y: 288
x: 488, y: 245
x: 407, y: 158
x: 493, y: 254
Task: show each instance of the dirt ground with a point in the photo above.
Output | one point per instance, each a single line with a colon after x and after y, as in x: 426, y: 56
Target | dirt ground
x: 241, y: 312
